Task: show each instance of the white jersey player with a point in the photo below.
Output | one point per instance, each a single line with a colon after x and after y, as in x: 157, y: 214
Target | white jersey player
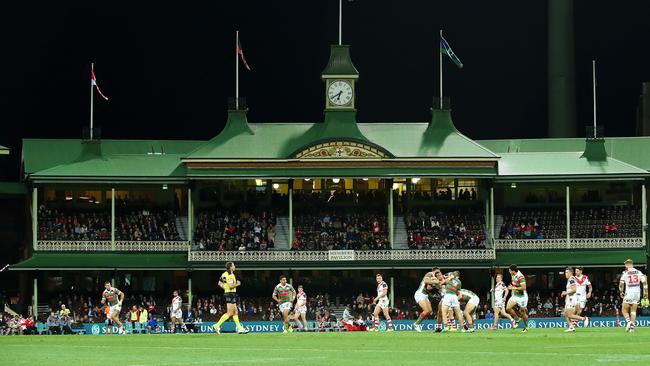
x: 300, y: 311
x: 500, y: 293
x: 583, y: 290
x: 382, y: 302
x: 570, y: 300
x: 177, y: 313
x: 630, y: 288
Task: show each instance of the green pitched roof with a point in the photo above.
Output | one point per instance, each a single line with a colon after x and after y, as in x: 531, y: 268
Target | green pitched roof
x: 437, y: 139
x: 4, y: 150
x: 631, y: 150
x: 106, y: 159
x: 562, y: 166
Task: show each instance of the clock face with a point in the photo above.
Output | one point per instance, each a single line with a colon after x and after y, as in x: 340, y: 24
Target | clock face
x: 339, y: 92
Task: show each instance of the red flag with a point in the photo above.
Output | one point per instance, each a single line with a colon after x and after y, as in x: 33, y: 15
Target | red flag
x: 93, y: 81
x: 240, y: 52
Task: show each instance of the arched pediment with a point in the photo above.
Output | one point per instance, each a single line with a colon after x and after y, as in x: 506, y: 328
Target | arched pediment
x: 343, y: 149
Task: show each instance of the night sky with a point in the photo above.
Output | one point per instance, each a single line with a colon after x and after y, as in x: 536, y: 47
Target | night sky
x: 168, y: 67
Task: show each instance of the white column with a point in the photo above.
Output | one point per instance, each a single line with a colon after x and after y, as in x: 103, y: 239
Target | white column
x: 568, y: 218
x: 35, y: 218
x: 492, y: 280
x: 491, y: 221
x: 35, y: 297
x: 190, y: 215
x: 644, y: 213
x: 290, y: 236
x: 392, y: 291
x: 113, y: 219
x: 391, y: 217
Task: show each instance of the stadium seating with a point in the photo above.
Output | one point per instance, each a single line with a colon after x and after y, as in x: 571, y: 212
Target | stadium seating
x: 341, y: 228
x: 234, y: 230
x: 586, y: 222
x: 77, y: 224
x: 445, y: 229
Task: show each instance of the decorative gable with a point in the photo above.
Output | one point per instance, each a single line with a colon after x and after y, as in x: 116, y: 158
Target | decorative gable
x: 341, y: 149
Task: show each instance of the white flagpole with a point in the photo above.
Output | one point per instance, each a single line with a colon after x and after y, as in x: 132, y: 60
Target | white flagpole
x: 440, y: 62
x: 340, y: 22
x: 92, y: 71
x: 237, y: 71
x: 593, y: 81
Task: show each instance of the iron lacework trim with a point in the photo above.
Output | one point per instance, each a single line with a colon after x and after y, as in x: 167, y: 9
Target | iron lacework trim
x: 359, y: 255
x: 575, y: 243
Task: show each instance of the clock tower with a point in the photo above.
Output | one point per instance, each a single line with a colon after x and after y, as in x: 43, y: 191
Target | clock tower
x: 340, y: 77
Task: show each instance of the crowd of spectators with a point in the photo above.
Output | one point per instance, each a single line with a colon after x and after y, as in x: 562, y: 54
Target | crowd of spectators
x: 78, y: 224
x: 146, y: 225
x: 242, y: 230
x: 340, y: 229
x: 446, y: 194
x: 318, y: 199
x: 550, y: 223
x: 451, y: 229
x: 68, y: 224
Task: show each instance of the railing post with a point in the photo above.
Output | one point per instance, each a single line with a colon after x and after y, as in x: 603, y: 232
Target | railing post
x: 492, y: 281
x: 644, y: 214
x: 35, y: 218
x: 113, y: 219
x: 35, y: 297
x: 492, y: 215
x: 391, y: 223
x: 190, y: 215
x: 189, y: 290
x: 392, y: 291
x: 568, y: 218
x: 290, y: 233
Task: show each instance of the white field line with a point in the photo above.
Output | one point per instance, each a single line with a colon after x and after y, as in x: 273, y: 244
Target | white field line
x: 320, y: 350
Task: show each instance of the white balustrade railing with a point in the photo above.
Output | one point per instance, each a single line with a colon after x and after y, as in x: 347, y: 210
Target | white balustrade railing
x: 359, y: 255
x: 575, y: 243
x: 105, y: 245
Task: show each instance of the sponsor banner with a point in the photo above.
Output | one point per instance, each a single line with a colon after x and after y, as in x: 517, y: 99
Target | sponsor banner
x: 400, y: 325
x: 340, y: 255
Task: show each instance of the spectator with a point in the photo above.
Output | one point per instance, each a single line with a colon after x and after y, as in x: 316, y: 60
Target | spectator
x: 53, y: 323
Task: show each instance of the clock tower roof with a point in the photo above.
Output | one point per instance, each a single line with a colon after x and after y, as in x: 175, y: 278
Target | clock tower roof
x: 340, y: 64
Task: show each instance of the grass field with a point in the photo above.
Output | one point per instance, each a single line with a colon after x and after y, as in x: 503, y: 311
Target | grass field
x: 537, y: 347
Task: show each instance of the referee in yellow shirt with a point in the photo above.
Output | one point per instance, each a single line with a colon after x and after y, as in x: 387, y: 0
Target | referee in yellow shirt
x: 229, y: 283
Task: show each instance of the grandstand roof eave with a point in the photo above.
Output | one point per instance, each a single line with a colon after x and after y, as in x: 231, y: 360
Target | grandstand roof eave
x: 102, y: 261
x: 632, y: 150
x: 60, y: 157
x: 542, y: 166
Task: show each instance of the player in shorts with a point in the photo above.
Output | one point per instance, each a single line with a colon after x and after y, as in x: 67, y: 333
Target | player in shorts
x: 300, y: 311
x: 470, y: 301
x: 177, y: 313
x: 570, y: 301
x: 229, y: 283
x: 108, y: 321
x: 630, y: 289
x: 450, y: 302
x: 583, y: 290
x: 284, y: 294
x: 381, y: 304
x: 427, y: 285
x: 442, y: 289
x: 519, y: 298
x: 500, y: 293
x: 113, y: 298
